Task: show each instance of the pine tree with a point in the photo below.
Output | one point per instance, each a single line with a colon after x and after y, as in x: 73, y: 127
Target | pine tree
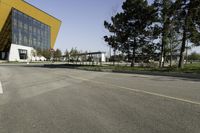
x: 187, y: 13
x: 130, y: 28
x: 67, y: 54
x: 165, y: 11
x: 57, y: 54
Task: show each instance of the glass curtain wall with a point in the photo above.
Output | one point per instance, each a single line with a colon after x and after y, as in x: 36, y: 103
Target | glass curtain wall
x: 28, y: 31
x: 5, y: 39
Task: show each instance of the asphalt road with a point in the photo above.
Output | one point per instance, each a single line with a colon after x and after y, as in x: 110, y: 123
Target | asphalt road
x: 60, y: 100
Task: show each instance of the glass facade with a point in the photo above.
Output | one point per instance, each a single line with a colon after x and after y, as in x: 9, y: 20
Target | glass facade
x: 5, y: 38
x: 28, y: 31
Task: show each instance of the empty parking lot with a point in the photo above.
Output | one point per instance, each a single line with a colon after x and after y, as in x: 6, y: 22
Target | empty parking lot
x: 59, y: 100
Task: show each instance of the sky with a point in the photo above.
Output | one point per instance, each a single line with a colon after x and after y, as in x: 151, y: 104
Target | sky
x: 82, y: 21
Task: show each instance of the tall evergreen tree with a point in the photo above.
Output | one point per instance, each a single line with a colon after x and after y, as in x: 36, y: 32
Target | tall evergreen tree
x: 119, y: 33
x: 131, y: 27
x: 165, y: 11
x: 67, y: 54
x: 139, y: 17
x: 187, y: 13
x: 58, y: 54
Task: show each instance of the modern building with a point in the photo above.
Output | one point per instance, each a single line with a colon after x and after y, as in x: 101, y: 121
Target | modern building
x: 25, y: 28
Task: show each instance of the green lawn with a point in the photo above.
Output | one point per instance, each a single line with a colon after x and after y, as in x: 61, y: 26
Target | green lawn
x: 190, y: 68
x: 195, y: 68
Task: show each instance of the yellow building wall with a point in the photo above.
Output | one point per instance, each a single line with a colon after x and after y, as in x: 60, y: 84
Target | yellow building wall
x: 7, y: 5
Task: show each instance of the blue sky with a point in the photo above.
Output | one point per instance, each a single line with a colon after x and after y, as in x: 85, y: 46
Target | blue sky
x: 82, y: 21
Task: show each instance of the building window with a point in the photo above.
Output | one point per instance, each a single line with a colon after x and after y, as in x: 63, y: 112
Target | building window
x: 20, y: 24
x: 28, y: 31
x: 22, y: 54
x: 15, y: 22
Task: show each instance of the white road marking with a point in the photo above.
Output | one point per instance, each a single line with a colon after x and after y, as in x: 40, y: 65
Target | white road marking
x: 139, y: 91
x: 1, y: 88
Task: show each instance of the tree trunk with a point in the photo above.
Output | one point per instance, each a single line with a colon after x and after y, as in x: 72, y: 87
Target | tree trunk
x: 187, y: 52
x: 164, y: 43
x: 161, y: 57
x: 164, y: 57
x: 133, y: 58
x: 181, y: 60
x: 165, y: 31
x: 128, y: 53
x: 184, y: 39
x: 133, y: 55
x: 114, y: 57
x: 171, y: 56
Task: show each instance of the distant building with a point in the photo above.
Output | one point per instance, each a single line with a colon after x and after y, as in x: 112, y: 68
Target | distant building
x: 23, y: 29
x: 94, y: 56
